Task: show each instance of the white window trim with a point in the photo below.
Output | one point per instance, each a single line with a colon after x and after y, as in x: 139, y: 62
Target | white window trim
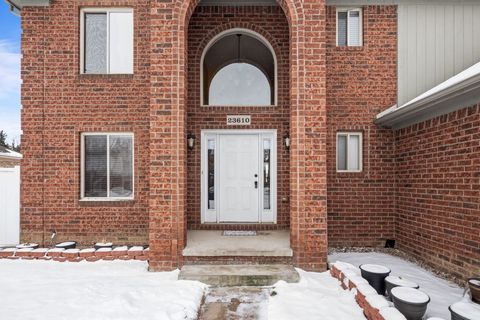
x: 82, y: 166
x: 83, y: 11
x: 266, y: 216
x: 249, y: 33
x: 360, y: 150
x: 347, y: 10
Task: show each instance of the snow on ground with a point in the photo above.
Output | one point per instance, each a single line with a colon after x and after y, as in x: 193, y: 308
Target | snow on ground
x: 100, y: 290
x: 316, y: 296
x: 442, y: 293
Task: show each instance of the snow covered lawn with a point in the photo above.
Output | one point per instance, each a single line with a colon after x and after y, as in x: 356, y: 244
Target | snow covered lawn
x: 316, y: 296
x: 442, y: 293
x: 100, y: 290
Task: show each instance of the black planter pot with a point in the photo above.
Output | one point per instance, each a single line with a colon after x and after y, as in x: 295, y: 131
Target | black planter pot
x: 474, y: 285
x: 375, y: 275
x: 412, y: 303
x: 103, y: 245
x: 394, y: 281
x: 66, y: 245
x: 464, y: 311
x: 27, y: 245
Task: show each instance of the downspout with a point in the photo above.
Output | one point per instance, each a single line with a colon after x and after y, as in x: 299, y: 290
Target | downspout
x: 43, y: 131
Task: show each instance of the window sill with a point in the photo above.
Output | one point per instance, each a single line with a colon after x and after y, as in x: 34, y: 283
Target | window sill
x: 106, y: 75
x: 349, y: 48
x: 349, y: 171
x: 106, y: 199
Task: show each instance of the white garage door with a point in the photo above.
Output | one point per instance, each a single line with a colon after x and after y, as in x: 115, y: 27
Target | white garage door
x: 9, y: 205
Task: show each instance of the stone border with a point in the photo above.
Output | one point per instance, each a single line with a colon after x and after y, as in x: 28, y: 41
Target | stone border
x: 374, y: 306
x: 76, y: 255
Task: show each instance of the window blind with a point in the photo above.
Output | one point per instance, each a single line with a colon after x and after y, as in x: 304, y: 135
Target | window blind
x: 342, y: 29
x: 354, y: 28
x: 95, y: 43
x: 95, y: 174
x: 121, y: 165
x: 342, y: 153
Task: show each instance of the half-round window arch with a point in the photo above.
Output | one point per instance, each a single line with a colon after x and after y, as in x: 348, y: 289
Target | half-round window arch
x: 238, y: 68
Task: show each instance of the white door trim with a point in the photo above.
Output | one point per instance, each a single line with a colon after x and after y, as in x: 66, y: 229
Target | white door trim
x: 212, y: 215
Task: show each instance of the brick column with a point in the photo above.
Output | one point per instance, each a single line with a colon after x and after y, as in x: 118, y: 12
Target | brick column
x: 167, y: 147
x: 308, y: 211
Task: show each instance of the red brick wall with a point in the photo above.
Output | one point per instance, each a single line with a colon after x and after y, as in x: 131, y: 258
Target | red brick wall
x: 59, y: 104
x: 206, y: 23
x: 438, y: 191
x: 361, y: 82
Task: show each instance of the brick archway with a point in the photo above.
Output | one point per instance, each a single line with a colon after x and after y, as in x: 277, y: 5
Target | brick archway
x: 167, y: 184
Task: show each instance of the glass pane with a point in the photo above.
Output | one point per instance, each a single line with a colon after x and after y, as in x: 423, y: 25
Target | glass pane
x: 354, y: 152
x: 342, y: 28
x: 211, y: 174
x: 95, y: 43
x: 354, y: 28
x: 121, y: 166
x: 239, y: 84
x: 266, y: 174
x: 342, y: 152
x: 95, y: 166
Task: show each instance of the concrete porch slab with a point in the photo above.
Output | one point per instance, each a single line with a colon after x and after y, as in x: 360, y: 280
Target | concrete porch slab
x: 239, y: 275
x: 211, y: 243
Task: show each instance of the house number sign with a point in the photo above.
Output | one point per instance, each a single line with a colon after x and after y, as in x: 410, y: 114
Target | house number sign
x: 239, y: 120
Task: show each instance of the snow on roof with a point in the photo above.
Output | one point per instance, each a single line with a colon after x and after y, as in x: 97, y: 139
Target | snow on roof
x: 457, y: 92
x: 9, y: 154
x: 456, y: 79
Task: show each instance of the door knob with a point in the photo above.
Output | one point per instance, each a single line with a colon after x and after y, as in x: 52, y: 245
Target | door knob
x: 255, y: 175
x: 256, y: 184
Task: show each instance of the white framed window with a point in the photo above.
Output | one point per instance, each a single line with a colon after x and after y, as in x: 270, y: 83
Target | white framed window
x: 107, y: 166
x: 349, y: 152
x: 349, y: 27
x: 238, y: 67
x: 106, y: 41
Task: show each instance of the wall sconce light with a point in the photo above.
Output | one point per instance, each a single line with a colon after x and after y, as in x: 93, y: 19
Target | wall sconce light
x: 286, y: 141
x: 190, y: 141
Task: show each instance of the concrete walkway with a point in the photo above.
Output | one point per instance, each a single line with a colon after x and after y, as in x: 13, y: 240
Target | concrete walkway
x: 235, y: 303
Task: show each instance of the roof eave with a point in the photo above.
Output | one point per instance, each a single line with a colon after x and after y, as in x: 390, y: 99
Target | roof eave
x: 19, y: 4
x: 459, y: 96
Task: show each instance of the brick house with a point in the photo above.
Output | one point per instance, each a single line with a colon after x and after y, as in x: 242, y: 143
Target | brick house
x: 147, y: 121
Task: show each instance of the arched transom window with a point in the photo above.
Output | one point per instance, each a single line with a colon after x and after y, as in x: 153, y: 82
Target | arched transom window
x: 238, y: 69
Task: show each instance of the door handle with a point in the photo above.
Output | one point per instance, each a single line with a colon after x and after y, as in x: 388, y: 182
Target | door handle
x: 256, y: 184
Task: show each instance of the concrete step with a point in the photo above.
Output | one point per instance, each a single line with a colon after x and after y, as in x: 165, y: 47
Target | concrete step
x: 239, y: 275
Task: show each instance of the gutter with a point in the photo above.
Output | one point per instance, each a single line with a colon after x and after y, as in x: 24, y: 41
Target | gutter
x: 17, y: 5
x: 14, y: 9
x: 460, y: 95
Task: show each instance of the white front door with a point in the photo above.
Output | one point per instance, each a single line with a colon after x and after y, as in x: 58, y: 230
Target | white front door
x: 238, y: 176
x: 239, y: 182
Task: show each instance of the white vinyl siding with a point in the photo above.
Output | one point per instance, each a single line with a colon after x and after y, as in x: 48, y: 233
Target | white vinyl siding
x: 349, y: 27
x: 349, y: 152
x: 106, y: 41
x: 107, y: 166
x: 435, y: 42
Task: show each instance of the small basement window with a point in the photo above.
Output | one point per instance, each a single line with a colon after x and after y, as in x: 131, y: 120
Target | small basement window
x: 349, y: 27
x: 349, y: 152
x: 106, y: 41
x: 107, y: 166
